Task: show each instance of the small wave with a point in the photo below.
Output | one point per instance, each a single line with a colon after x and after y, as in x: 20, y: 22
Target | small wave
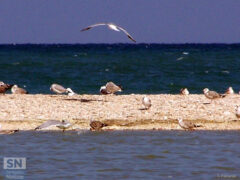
x: 180, y: 58
x: 149, y: 157
x: 16, y: 63
x: 109, y: 170
x: 224, y: 168
x: 225, y: 72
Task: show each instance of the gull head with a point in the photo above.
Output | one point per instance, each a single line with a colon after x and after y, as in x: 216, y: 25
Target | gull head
x: 14, y: 88
x: 70, y: 92
x: 180, y: 120
x: 230, y: 90
x: 184, y: 91
x: 64, y: 124
x: 237, y: 108
x: 103, y: 90
x: 146, y: 99
x: 146, y: 102
x: 206, y: 90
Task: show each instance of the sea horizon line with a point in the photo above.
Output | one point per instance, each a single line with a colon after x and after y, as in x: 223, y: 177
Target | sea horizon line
x: 120, y: 44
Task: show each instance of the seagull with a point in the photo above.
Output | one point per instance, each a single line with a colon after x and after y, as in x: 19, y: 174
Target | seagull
x: 96, y: 125
x: 237, y: 111
x: 187, y: 125
x: 146, y: 102
x: 212, y: 94
x: 112, y: 27
x: 184, y: 91
x: 8, y: 131
x: 55, y: 123
x: 110, y: 88
x: 17, y: 90
x: 229, y: 91
x: 60, y: 89
x: 48, y: 124
x: 4, y: 87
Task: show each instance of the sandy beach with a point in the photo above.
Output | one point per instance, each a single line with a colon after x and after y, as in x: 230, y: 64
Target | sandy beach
x: 120, y: 112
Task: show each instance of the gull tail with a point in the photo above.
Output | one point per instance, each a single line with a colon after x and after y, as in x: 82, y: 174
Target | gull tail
x: 85, y: 29
x: 223, y: 95
x: 104, y: 124
x: 9, y: 86
x: 198, y: 125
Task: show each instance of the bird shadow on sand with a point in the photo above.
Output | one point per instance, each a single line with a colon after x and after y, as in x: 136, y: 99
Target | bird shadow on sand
x: 84, y: 100
x: 206, y: 103
x: 143, y: 109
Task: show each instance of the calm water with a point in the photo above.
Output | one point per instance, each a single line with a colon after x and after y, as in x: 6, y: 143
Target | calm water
x: 126, y: 154
x: 144, y: 68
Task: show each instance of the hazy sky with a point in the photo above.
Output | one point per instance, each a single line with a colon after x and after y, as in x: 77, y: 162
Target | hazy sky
x: 148, y: 21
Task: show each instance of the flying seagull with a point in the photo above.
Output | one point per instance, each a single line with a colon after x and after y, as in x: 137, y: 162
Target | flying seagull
x: 55, y: 123
x: 110, y: 88
x: 56, y: 88
x: 146, y: 102
x: 187, y: 125
x: 17, y: 90
x: 8, y: 131
x: 112, y: 27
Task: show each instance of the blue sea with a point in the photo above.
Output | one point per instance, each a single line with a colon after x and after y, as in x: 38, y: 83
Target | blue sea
x: 141, y: 68
x: 124, y: 155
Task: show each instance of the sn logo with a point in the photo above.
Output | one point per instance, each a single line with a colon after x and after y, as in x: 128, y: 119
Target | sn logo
x: 14, y: 163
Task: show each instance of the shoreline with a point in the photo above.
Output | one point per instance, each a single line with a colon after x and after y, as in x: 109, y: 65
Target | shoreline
x: 119, y: 112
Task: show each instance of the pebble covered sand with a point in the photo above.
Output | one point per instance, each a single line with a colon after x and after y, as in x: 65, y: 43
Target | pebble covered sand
x: 119, y: 112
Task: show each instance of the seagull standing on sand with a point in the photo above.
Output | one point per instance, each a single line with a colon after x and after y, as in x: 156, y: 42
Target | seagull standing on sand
x: 184, y: 91
x: 17, y: 90
x: 187, y: 125
x: 4, y: 87
x: 8, y: 131
x: 56, y: 88
x: 96, y: 125
x: 229, y: 91
x: 112, y: 27
x: 212, y: 94
x: 146, y: 102
x: 110, y: 88
x: 55, y: 123
x: 48, y: 124
x: 238, y: 111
